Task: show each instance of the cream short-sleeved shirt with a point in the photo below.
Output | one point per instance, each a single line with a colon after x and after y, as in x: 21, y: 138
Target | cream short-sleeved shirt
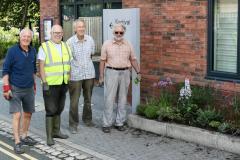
x: 117, y: 55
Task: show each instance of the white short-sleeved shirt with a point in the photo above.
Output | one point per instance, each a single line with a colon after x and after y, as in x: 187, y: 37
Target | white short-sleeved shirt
x: 42, y: 54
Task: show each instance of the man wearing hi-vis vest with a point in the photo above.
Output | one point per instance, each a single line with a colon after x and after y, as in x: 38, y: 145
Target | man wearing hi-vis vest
x: 54, y: 65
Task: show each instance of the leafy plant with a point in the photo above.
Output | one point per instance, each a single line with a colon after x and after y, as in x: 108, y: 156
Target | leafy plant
x: 151, y: 111
x: 236, y: 103
x: 204, y: 117
x: 214, y: 124
x: 7, y: 39
x: 140, y: 109
x: 187, y: 109
x: 202, y: 96
x: 224, y: 127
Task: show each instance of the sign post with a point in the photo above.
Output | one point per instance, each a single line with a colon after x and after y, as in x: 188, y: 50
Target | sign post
x: 131, y: 19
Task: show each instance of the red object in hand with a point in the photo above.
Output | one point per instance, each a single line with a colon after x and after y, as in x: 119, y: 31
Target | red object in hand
x: 6, y: 88
x: 7, y: 92
x: 34, y: 87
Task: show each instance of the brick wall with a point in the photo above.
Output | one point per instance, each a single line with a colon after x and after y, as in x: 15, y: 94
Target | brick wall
x: 174, y: 42
x: 49, y: 9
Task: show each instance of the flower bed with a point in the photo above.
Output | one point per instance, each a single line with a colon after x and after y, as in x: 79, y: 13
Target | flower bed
x: 198, y: 106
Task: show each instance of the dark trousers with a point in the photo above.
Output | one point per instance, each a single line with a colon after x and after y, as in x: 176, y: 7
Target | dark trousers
x: 54, y: 99
x: 75, y: 92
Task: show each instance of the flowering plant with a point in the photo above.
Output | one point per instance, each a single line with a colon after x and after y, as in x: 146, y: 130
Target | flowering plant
x: 163, y: 83
x: 185, y: 92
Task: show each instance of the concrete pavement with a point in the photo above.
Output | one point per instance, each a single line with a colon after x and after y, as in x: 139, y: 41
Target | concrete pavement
x: 131, y: 144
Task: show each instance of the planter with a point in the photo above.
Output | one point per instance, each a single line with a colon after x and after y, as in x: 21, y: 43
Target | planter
x: 187, y: 133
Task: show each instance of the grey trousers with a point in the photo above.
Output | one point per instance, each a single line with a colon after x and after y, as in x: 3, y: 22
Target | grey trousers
x: 116, y: 85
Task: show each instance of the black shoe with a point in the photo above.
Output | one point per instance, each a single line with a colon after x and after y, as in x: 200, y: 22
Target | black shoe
x: 18, y: 148
x: 120, y: 128
x: 28, y: 141
x: 89, y: 123
x: 106, y: 129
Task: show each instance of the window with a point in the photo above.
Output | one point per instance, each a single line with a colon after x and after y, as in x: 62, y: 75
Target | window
x: 223, y: 44
x: 91, y: 12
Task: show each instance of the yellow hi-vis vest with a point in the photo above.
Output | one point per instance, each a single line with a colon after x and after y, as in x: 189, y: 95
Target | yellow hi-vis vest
x: 56, y: 68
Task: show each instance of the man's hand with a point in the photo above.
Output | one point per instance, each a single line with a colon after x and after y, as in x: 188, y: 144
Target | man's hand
x: 45, y: 86
x: 46, y: 89
x: 7, y: 93
x: 100, y: 81
x: 139, y: 76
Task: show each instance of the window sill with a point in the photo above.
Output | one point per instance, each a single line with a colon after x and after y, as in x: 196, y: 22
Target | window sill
x: 222, y: 79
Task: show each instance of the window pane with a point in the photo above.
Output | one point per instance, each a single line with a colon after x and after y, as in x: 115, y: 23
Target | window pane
x: 67, y: 18
x: 90, y: 10
x: 225, y: 35
x: 113, y: 5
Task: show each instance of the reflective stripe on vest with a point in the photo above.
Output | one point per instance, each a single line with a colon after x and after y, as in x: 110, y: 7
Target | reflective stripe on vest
x: 56, y: 68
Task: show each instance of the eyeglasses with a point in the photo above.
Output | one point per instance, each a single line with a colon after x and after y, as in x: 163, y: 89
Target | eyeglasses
x: 116, y: 32
x: 57, y: 33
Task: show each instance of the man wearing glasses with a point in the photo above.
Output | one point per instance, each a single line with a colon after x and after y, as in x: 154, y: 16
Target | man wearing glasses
x: 54, y: 65
x: 117, y: 58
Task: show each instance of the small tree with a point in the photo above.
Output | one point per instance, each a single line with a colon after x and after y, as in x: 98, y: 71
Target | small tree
x: 16, y: 13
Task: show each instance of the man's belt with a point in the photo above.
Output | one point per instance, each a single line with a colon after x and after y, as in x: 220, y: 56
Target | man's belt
x: 118, y: 69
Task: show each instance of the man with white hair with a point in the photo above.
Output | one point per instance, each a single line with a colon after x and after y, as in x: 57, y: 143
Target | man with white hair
x: 117, y: 58
x: 82, y: 75
x: 19, y: 87
x: 54, y: 65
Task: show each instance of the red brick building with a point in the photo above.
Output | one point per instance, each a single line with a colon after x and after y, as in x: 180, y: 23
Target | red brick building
x: 179, y: 38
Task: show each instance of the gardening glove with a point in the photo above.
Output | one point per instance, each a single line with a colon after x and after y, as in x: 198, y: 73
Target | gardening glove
x: 138, y: 78
x: 7, y: 93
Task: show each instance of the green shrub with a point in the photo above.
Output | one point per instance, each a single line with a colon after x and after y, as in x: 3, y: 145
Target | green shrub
x: 7, y: 39
x: 140, y: 109
x: 188, y: 110
x: 224, y: 127
x: 236, y: 103
x: 151, y: 111
x: 214, y: 124
x: 203, y: 96
x: 204, y: 117
x: 36, y: 43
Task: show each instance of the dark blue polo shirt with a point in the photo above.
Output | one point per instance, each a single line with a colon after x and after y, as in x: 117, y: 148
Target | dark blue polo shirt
x: 20, y: 66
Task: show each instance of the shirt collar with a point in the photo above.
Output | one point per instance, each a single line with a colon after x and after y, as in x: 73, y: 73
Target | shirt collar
x: 77, y: 40
x: 23, y: 49
x: 115, y: 42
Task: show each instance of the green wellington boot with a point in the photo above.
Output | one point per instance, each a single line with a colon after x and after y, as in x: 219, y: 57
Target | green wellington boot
x: 49, y: 131
x: 56, y: 128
